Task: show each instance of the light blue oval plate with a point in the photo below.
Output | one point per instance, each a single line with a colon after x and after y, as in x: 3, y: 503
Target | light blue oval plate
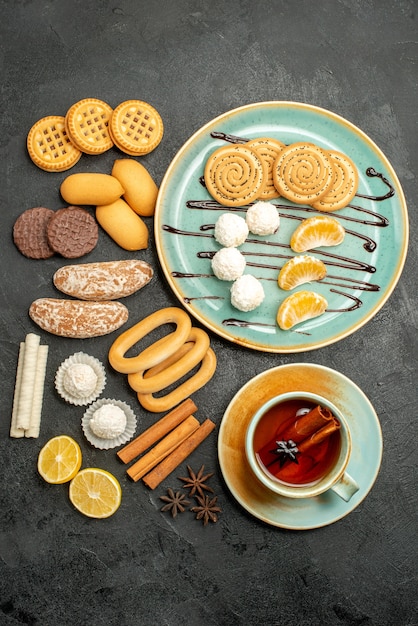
x: 365, y: 460
x: 362, y: 271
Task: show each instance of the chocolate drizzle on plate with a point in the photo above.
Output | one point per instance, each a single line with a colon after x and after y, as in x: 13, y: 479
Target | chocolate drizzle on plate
x: 279, y: 252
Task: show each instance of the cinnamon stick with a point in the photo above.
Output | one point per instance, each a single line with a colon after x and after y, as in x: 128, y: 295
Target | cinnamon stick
x: 173, y: 460
x: 319, y: 436
x: 157, y: 431
x: 307, y: 424
x: 163, y: 448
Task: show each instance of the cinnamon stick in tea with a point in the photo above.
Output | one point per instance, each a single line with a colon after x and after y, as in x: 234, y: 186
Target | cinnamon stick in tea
x: 169, y: 443
x: 307, y: 424
x: 157, y: 431
x: 319, y: 436
x: 173, y: 460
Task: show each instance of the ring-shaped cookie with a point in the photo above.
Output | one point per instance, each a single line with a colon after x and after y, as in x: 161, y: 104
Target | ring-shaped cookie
x: 159, y: 350
x: 170, y: 374
x: 183, y: 391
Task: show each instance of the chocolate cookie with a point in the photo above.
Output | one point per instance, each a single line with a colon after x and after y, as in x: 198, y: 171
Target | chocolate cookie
x: 29, y: 233
x: 72, y: 232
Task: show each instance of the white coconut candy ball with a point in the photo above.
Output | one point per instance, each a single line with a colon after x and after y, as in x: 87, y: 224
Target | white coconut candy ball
x: 247, y: 293
x: 228, y: 264
x: 262, y: 218
x: 230, y: 230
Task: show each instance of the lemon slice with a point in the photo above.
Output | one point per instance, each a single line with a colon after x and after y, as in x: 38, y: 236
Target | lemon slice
x: 300, y: 269
x: 299, y: 307
x: 95, y: 492
x: 59, y: 460
x: 317, y: 231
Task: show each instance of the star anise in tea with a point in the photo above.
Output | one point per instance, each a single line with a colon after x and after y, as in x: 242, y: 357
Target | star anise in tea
x: 176, y: 502
x: 196, y: 483
x: 286, y: 450
x: 207, y: 509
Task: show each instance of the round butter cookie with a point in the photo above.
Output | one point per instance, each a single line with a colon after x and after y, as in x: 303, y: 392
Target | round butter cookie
x: 136, y: 127
x: 86, y: 123
x: 303, y: 172
x: 344, y: 187
x: 49, y: 145
x: 235, y: 175
x: 268, y: 150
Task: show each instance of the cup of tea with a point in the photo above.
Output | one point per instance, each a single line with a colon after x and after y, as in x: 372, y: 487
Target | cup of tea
x: 298, y: 445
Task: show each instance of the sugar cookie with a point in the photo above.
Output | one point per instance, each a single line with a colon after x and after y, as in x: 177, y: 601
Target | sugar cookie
x: 344, y: 186
x: 303, y: 172
x: 268, y: 149
x: 234, y: 175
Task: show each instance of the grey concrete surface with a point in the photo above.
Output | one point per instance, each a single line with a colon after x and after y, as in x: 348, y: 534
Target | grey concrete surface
x: 194, y: 60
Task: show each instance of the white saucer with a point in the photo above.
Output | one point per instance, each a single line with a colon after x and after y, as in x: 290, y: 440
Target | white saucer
x: 364, y: 464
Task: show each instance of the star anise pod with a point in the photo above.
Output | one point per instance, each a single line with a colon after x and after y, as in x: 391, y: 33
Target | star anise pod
x: 196, y: 483
x: 176, y: 502
x: 286, y: 450
x: 207, y: 509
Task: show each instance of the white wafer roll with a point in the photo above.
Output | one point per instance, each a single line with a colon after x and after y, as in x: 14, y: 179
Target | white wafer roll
x: 38, y: 392
x: 14, y: 430
x: 28, y: 381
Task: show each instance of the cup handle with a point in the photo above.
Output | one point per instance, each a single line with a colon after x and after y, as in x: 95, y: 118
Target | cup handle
x: 346, y: 487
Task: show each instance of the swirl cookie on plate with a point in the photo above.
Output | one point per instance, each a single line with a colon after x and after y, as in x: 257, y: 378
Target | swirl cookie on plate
x: 235, y: 175
x: 303, y: 172
x: 344, y: 186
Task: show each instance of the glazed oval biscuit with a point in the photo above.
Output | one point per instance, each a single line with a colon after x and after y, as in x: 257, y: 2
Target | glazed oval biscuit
x: 140, y: 189
x: 235, y: 175
x: 303, y: 172
x: 77, y: 319
x: 107, y: 280
x: 344, y: 186
x: 91, y: 188
x: 123, y: 225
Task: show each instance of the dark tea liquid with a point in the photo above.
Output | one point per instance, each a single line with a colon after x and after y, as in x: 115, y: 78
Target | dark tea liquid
x: 312, y: 465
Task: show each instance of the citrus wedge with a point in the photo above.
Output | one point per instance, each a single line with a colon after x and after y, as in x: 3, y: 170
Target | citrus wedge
x: 320, y: 230
x: 300, y: 269
x: 59, y: 460
x: 299, y: 307
x: 95, y: 492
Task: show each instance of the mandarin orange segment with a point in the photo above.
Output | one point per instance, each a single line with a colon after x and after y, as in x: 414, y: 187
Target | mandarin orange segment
x: 299, y: 307
x: 317, y: 231
x: 299, y: 270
